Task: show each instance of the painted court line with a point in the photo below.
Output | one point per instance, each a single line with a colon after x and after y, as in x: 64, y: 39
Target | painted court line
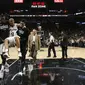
x: 65, y: 68
x: 13, y: 63
x: 79, y: 61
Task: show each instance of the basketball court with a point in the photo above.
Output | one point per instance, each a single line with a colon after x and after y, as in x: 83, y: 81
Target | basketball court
x: 73, y: 52
x: 73, y: 69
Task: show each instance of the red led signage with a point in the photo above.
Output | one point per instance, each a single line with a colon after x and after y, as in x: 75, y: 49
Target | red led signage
x: 58, y: 1
x: 38, y: 5
x: 18, y: 1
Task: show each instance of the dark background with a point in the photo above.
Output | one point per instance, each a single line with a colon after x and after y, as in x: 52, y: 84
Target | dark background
x: 70, y: 5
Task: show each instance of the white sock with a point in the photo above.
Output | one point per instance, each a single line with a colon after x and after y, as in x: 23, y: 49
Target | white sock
x: 18, y: 49
x: 6, y: 63
x: 2, y: 67
x: 6, y: 50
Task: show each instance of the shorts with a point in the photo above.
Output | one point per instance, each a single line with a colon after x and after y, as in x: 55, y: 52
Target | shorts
x: 2, y: 48
x: 11, y: 40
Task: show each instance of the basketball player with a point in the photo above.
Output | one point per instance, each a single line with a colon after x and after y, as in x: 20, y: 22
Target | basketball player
x: 13, y: 37
x: 4, y: 31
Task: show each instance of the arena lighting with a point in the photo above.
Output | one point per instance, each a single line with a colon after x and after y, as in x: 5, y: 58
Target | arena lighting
x: 77, y: 22
x: 18, y: 11
x: 21, y: 10
x: 53, y: 10
x: 12, y: 11
x: 38, y: 15
x: 79, y: 13
x: 57, y: 23
x: 83, y: 22
x: 26, y: 10
x: 65, y: 11
x: 38, y: 23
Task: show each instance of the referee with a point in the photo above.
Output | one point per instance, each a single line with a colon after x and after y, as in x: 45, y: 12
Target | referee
x: 51, y: 46
x: 23, y: 33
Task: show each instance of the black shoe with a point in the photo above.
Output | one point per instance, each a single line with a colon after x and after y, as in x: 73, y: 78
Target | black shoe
x: 63, y: 59
x: 5, y: 55
x: 54, y: 56
x: 66, y: 57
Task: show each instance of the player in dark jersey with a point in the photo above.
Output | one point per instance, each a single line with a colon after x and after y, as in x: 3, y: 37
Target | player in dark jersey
x: 4, y: 32
x: 23, y: 33
x: 4, y: 28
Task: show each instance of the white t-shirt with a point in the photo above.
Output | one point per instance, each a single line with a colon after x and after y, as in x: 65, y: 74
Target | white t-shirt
x: 51, y: 38
x: 33, y: 38
x: 13, y: 31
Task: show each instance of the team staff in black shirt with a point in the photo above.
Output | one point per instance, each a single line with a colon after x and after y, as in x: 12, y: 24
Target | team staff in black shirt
x: 23, y: 33
x: 64, y: 45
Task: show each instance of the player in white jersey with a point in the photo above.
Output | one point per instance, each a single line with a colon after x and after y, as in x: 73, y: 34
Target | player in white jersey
x: 13, y: 38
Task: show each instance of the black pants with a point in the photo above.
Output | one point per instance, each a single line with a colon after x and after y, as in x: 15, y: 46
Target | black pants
x: 51, y: 46
x: 23, y: 48
x: 64, y: 52
x: 3, y: 59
